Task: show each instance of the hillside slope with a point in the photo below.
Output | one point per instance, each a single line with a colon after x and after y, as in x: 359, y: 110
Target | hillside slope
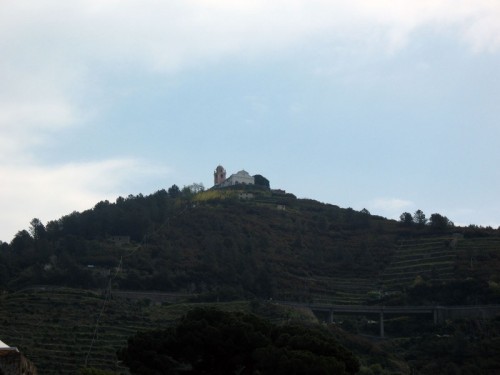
x: 233, y: 243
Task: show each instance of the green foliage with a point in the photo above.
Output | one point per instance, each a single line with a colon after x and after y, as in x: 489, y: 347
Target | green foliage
x: 219, y: 247
x: 438, y: 222
x: 54, y: 327
x: 406, y: 219
x: 37, y: 229
x: 174, y: 191
x: 58, y: 343
x: 458, y: 292
x: 209, y: 243
x: 465, y: 347
x: 215, y: 342
x: 419, y: 218
x: 261, y: 181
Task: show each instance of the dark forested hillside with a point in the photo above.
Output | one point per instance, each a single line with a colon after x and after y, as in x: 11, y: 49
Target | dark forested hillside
x: 194, y: 247
x: 228, y: 243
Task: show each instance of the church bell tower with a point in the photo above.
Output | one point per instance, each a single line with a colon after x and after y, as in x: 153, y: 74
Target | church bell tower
x: 219, y: 175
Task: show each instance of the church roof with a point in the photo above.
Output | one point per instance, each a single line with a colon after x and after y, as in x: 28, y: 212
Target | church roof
x: 243, y: 172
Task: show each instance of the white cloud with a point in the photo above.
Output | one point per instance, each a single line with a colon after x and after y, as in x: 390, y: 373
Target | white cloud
x: 168, y: 35
x: 53, y: 52
x: 49, y: 192
x: 24, y: 124
x: 37, y: 98
x: 46, y: 113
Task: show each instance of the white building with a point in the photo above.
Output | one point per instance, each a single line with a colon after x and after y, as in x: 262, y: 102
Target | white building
x: 240, y: 178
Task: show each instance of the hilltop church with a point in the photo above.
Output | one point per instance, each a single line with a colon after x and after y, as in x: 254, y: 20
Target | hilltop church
x: 240, y: 178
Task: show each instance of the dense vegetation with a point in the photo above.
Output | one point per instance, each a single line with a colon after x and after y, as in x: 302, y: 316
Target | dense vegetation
x: 208, y: 341
x: 249, y: 244
x: 233, y: 243
x: 63, y: 330
x: 55, y: 327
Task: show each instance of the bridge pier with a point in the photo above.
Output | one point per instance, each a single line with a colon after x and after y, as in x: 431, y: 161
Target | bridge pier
x: 381, y: 324
x: 439, y: 314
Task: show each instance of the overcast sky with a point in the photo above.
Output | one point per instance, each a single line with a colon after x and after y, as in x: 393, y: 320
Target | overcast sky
x: 387, y: 105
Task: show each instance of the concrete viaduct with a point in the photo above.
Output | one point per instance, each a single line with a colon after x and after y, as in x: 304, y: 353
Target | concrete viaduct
x: 438, y: 313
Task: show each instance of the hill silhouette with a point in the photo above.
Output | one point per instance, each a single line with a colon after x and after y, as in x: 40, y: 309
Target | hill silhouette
x: 253, y: 246
x: 246, y: 242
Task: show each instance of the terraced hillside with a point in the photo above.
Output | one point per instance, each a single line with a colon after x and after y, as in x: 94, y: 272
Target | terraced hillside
x: 338, y: 290
x: 435, y: 260
x: 56, y: 328
x: 432, y: 258
x: 479, y: 257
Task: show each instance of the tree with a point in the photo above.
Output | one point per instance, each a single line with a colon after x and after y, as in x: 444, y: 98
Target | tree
x: 196, y: 188
x: 364, y: 211
x: 189, y: 191
x: 174, y: 191
x: 439, y: 222
x: 260, y: 180
x: 209, y: 341
x: 37, y: 229
x: 21, y: 241
x: 419, y: 218
x: 406, y: 219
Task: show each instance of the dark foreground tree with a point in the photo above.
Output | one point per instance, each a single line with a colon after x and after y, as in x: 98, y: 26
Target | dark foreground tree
x: 261, y: 181
x: 37, y: 229
x: 439, y: 222
x: 406, y: 219
x: 208, y: 341
x: 419, y: 218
